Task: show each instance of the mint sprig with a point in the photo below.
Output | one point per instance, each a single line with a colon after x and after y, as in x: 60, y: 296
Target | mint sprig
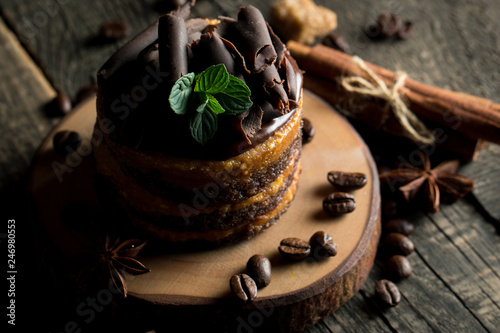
x: 209, y: 94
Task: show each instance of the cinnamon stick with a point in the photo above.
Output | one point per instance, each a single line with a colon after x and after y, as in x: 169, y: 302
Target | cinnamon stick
x: 474, y: 116
x: 361, y: 108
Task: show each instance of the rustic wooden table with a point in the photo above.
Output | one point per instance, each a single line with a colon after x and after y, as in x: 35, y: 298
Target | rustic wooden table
x: 48, y: 46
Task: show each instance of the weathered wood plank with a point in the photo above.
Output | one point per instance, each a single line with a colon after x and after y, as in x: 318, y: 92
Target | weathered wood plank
x: 23, y: 93
x: 486, y: 173
x: 455, y: 45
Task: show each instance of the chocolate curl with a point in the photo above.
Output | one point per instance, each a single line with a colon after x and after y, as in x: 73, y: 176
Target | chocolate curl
x: 210, y: 50
x: 195, y: 28
x: 249, y: 122
x: 150, y: 55
x: 251, y: 37
x: 172, y: 38
x: 278, y: 45
x: 292, y: 83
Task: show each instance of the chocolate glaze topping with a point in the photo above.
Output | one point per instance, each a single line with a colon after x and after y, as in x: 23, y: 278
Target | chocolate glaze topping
x: 136, y: 81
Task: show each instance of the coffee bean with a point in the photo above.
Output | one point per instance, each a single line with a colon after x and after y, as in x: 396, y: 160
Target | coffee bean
x: 307, y: 131
x: 399, y: 244
x: 339, y: 203
x: 388, y: 292
x: 389, y: 24
x: 259, y: 268
x: 406, y: 30
x: 322, y: 245
x: 399, y: 267
x: 401, y: 226
x: 294, y: 248
x: 337, y: 42
x: 66, y: 142
x: 114, y: 30
x: 373, y: 31
x: 87, y: 91
x: 347, y: 181
x: 59, y: 106
x: 244, y: 287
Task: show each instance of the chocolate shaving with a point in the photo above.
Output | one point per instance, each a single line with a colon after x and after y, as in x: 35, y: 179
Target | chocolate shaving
x: 211, y: 50
x: 251, y: 37
x: 249, y: 122
x: 279, y: 47
x: 150, y: 55
x: 172, y: 37
x: 289, y: 72
x: 270, y: 83
x: 195, y: 28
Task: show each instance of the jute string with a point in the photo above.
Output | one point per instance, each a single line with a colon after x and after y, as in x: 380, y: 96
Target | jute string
x: 408, y: 120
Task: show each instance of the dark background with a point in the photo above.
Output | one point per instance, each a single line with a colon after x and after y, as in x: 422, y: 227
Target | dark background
x: 49, y: 46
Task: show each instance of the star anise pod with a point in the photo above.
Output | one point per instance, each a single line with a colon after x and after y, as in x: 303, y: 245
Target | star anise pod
x: 434, y: 186
x: 113, y: 257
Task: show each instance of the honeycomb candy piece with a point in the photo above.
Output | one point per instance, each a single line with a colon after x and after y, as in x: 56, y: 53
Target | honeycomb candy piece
x: 302, y: 20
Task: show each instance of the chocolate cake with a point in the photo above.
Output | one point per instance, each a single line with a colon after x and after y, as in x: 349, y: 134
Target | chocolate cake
x: 189, y: 170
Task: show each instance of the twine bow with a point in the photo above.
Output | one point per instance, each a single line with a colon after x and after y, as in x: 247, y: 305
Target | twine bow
x: 408, y: 120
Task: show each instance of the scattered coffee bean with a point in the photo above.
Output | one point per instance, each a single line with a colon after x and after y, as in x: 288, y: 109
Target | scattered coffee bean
x: 87, y: 91
x: 59, y: 106
x: 399, y: 267
x: 337, y: 42
x: 307, y: 131
x: 399, y: 244
x: 401, y: 226
x: 406, y: 30
x: 244, y: 287
x: 294, y: 248
x: 322, y: 245
x: 347, y: 181
x: 114, y: 30
x: 259, y: 268
x: 389, y: 24
x: 339, y: 203
x: 388, y: 292
x: 66, y: 142
x: 373, y: 31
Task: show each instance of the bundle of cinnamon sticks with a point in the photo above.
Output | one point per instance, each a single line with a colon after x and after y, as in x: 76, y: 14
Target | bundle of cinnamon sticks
x: 466, y: 120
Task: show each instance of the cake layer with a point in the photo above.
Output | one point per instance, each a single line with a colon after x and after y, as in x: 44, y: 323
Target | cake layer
x: 204, y: 199
x: 176, y: 178
x: 246, y: 229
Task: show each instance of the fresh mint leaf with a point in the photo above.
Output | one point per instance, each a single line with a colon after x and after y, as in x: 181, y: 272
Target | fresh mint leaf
x: 214, y: 105
x: 235, y: 99
x: 212, y: 80
x: 203, y: 126
x: 204, y: 101
x: 180, y: 93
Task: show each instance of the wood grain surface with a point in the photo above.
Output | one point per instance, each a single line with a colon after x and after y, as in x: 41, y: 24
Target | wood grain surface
x: 456, y: 265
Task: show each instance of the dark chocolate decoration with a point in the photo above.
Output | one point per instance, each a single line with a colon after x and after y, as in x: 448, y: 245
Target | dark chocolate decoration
x: 250, y: 35
x: 136, y: 80
x: 270, y: 83
x: 250, y: 122
x: 195, y: 28
x: 172, y: 37
x: 210, y: 50
x: 150, y: 55
x: 278, y: 46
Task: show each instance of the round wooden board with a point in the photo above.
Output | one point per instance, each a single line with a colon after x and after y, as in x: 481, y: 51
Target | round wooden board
x: 197, y: 283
